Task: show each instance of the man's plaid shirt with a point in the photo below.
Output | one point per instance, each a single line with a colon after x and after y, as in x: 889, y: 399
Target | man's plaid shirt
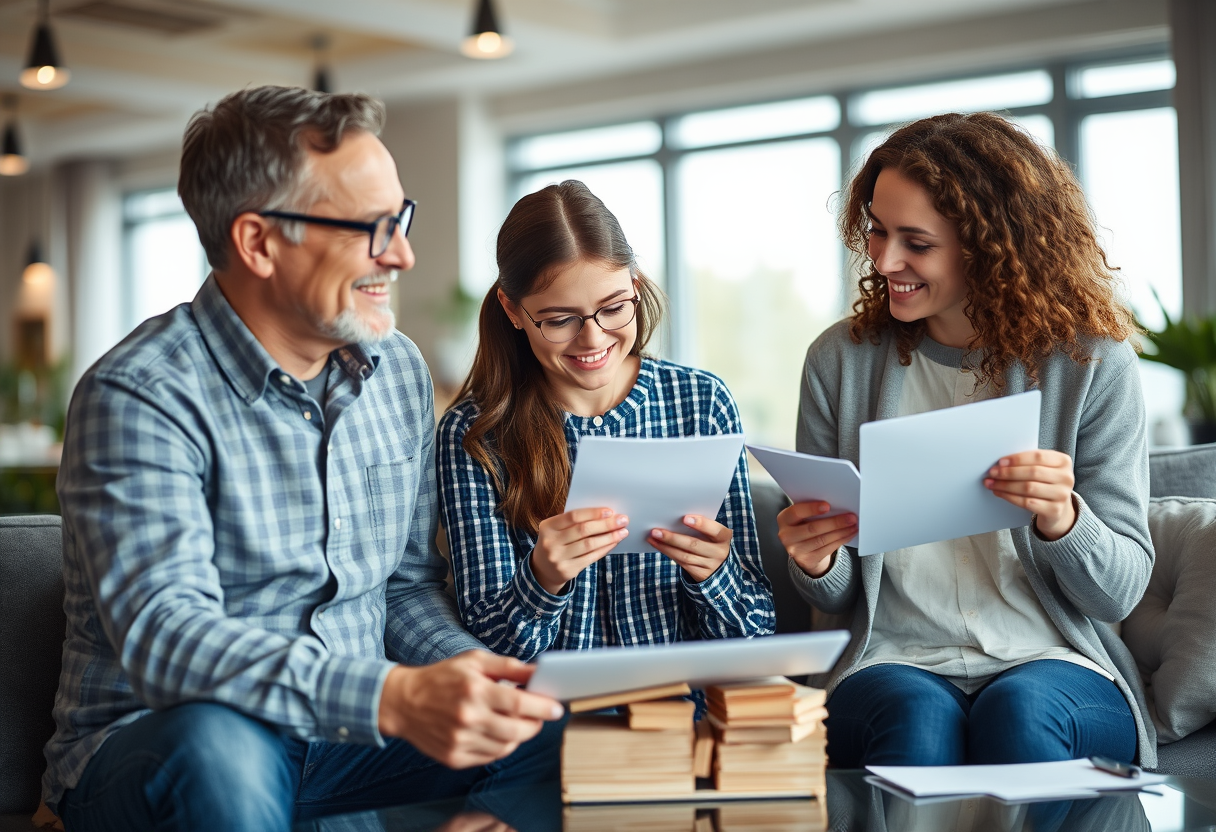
x: 208, y: 558
x: 624, y: 599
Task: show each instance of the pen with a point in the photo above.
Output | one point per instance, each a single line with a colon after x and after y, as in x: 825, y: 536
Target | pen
x: 1115, y: 767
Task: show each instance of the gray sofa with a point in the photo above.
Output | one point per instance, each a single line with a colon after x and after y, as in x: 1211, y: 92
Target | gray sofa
x: 32, y: 623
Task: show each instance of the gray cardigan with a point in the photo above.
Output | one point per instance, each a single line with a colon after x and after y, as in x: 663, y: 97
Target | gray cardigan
x: 1086, y: 580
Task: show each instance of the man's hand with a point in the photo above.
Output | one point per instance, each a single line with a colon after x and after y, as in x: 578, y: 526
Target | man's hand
x: 456, y: 712
x: 1041, y: 482
x: 699, y: 558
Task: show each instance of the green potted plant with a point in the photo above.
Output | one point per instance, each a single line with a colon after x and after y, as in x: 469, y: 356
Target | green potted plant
x: 1189, y: 345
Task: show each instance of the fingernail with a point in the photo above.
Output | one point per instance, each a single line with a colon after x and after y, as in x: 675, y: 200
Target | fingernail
x: 621, y: 532
x: 690, y: 520
x: 1004, y: 463
x: 606, y: 513
x: 556, y: 713
x: 622, y: 520
x: 992, y: 472
x: 988, y: 483
x: 658, y: 535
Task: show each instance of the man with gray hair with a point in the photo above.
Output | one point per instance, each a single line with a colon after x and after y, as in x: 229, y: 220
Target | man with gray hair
x: 258, y: 630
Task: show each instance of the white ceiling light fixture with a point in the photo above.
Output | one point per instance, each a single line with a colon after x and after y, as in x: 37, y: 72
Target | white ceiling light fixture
x: 486, y: 40
x: 44, y: 70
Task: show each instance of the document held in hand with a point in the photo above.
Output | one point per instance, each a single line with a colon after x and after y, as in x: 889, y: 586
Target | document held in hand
x: 922, y: 476
x: 656, y: 482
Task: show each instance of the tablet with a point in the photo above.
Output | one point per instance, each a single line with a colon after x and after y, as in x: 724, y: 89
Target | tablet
x: 577, y: 674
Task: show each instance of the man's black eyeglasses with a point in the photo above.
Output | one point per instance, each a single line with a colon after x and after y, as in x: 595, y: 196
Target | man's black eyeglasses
x: 380, y: 233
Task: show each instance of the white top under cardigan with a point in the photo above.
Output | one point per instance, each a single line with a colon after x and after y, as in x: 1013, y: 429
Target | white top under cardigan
x: 962, y: 609
x: 1096, y: 574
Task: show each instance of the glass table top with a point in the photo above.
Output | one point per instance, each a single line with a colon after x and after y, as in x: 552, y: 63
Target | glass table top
x: 1183, y: 805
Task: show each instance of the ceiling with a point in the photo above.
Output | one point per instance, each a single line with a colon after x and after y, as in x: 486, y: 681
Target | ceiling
x: 140, y: 67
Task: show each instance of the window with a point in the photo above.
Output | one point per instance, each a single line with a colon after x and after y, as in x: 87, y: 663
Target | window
x: 164, y: 264
x: 733, y: 209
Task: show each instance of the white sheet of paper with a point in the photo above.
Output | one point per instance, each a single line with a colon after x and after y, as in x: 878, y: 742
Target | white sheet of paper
x: 923, y: 475
x: 577, y: 674
x: 654, y: 481
x: 1022, y: 781
x: 805, y: 478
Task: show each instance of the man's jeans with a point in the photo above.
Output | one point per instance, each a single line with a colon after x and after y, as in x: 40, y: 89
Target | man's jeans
x: 203, y: 766
x: 1041, y: 711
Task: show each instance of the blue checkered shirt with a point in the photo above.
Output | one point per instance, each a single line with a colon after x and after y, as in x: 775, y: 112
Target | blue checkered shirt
x: 622, y: 599
x: 227, y: 539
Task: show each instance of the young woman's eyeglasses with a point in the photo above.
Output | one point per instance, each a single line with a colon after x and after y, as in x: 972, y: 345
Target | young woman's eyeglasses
x: 380, y: 232
x: 566, y: 328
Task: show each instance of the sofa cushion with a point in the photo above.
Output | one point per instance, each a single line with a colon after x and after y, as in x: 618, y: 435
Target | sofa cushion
x: 1183, y: 472
x: 1171, y: 631
x: 31, y: 641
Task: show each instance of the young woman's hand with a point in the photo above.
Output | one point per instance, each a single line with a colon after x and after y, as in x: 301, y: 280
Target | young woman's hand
x: 699, y: 558
x: 1040, y: 482
x: 568, y: 543
x: 811, y: 542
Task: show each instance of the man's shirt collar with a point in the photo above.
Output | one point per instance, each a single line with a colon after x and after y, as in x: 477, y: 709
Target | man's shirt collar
x: 243, y: 360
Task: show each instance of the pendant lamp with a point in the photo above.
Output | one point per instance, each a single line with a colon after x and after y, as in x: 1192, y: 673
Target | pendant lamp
x: 44, y: 70
x: 12, y: 161
x: 486, y: 40
x: 321, y: 82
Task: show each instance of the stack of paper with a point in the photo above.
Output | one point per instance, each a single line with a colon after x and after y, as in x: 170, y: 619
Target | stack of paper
x: 770, y: 737
x: 1012, y: 783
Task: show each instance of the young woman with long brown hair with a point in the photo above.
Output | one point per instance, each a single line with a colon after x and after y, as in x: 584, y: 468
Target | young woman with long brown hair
x: 983, y: 278
x: 561, y: 355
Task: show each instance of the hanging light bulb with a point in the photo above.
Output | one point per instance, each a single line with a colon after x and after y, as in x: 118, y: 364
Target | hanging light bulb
x: 321, y: 81
x: 44, y: 70
x: 12, y: 161
x: 38, y: 273
x: 486, y: 40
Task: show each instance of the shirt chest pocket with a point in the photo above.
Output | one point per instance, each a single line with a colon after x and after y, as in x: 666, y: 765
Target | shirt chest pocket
x: 392, y: 494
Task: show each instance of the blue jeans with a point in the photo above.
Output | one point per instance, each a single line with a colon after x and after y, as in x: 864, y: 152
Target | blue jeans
x: 203, y: 766
x: 1041, y: 711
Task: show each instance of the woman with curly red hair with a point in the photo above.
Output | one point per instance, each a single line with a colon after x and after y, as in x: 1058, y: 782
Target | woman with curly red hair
x: 983, y: 278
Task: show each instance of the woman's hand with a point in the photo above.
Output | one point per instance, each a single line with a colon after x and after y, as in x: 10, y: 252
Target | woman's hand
x: 812, y: 542
x: 568, y: 543
x: 1041, y: 482
x: 698, y: 557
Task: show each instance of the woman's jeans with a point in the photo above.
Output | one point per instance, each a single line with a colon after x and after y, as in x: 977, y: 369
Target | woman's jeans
x: 203, y: 766
x: 1041, y: 711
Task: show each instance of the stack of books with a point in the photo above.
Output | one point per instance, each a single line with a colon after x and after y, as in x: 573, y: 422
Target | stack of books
x: 646, y: 753
x: 769, y: 737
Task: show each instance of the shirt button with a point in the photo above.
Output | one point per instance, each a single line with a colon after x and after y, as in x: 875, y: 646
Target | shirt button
x: 286, y: 379
x: 343, y: 733
x: 966, y: 559
x: 597, y: 421
x: 971, y: 613
x: 321, y: 615
x: 608, y: 577
x: 308, y: 415
x: 337, y: 522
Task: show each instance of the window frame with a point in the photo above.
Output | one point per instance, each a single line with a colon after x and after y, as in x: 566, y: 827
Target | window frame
x: 1064, y: 111
x: 127, y: 276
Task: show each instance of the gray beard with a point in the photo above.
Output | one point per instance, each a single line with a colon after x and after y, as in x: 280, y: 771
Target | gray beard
x: 349, y: 328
